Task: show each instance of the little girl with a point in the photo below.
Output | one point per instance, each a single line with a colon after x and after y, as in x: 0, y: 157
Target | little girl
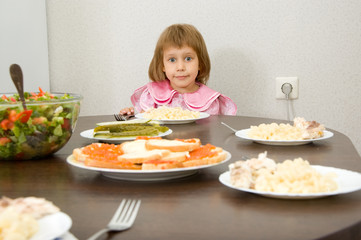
x: 179, y: 71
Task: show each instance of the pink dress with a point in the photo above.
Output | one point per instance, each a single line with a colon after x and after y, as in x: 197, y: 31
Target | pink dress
x: 205, y: 99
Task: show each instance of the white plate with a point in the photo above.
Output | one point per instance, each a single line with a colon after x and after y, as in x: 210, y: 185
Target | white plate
x: 90, y: 133
x: 348, y: 181
x: 202, y: 115
x: 145, y: 175
x: 53, y: 226
x: 244, y: 134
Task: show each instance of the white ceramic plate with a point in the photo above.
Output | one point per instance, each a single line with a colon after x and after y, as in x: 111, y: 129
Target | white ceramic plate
x: 145, y: 175
x: 202, y: 115
x: 244, y: 135
x: 89, y: 134
x: 348, y: 181
x: 53, y: 226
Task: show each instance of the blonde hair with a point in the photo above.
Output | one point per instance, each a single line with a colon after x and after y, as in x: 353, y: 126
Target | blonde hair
x: 179, y: 35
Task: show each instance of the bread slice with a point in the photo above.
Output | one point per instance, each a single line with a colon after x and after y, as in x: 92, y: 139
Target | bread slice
x: 176, y: 156
x: 142, y: 156
x: 195, y: 162
x: 205, y: 155
x: 222, y: 155
x: 98, y: 149
x: 205, y: 161
x: 133, y: 146
x: 161, y: 164
x: 103, y: 163
x: 78, y: 155
x: 176, y: 145
x: 102, y: 155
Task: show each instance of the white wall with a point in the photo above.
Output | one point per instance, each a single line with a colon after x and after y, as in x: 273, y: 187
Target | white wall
x: 102, y: 49
x: 24, y: 40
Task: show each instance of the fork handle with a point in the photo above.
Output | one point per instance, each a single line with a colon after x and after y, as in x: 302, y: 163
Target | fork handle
x: 98, y: 234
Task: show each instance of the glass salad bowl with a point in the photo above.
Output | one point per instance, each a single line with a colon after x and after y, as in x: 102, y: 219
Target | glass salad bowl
x: 41, y: 129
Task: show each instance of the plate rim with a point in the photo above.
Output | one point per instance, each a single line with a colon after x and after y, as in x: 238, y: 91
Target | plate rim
x: 70, y: 160
x: 64, y: 216
x: 174, y: 121
x: 242, y: 134
x: 224, y: 179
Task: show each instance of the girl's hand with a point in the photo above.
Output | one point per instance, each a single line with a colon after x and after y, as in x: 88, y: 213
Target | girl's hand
x: 127, y: 111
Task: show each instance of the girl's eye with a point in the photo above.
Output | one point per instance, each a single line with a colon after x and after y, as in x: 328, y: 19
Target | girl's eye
x: 171, y: 60
x: 188, y: 59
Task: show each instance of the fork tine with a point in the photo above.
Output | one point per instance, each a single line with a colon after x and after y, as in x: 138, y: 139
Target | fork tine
x: 118, y: 117
x: 134, y: 213
x: 124, y: 212
x: 127, y: 211
x: 118, y: 212
x: 122, y: 219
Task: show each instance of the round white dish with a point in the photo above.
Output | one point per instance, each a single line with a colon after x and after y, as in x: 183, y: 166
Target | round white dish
x: 89, y: 134
x: 348, y: 181
x: 244, y: 135
x: 53, y: 226
x: 202, y: 115
x: 145, y: 175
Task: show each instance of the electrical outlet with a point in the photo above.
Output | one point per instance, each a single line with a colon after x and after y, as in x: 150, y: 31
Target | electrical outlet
x: 291, y: 80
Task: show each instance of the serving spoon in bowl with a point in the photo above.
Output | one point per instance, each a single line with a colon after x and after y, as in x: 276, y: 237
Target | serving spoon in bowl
x: 17, y: 77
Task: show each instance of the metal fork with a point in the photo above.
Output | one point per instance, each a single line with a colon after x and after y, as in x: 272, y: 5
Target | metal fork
x: 120, y: 117
x: 123, y: 218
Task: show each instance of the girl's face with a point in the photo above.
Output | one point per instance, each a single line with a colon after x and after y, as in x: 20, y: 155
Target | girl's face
x: 181, y: 67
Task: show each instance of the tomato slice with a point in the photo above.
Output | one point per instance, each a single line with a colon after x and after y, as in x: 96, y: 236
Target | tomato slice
x: 41, y: 92
x: 66, y: 124
x: 12, y: 115
x: 6, y: 124
x: 24, y: 116
x: 4, y: 140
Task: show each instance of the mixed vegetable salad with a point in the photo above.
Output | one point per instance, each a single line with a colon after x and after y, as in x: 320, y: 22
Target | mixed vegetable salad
x: 41, y: 129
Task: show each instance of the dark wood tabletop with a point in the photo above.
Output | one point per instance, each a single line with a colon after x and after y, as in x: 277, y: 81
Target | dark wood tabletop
x: 198, y: 206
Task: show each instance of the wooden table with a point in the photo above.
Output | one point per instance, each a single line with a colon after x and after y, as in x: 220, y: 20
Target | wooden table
x: 199, y: 206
